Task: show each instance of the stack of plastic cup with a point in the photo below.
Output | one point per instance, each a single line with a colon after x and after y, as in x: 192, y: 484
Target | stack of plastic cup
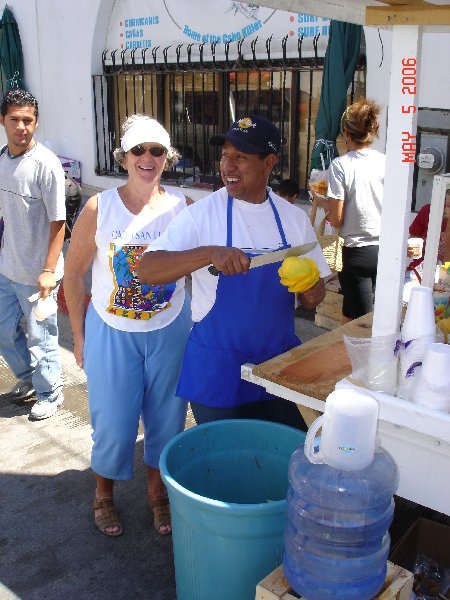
x: 418, y: 332
x: 419, y: 317
x: 433, y: 381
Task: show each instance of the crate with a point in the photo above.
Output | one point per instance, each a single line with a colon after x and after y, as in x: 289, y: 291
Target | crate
x: 397, y: 586
x: 329, y: 311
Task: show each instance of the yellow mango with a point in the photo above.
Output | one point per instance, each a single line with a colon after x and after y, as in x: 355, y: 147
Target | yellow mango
x: 444, y: 326
x: 303, y: 285
x: 293, y: 267
x: 298, y: 274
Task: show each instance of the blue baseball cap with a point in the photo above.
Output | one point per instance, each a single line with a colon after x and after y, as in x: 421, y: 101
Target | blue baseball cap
x: 251, y: 134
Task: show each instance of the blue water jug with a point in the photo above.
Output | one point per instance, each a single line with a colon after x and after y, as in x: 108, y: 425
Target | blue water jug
x: 336, y: 536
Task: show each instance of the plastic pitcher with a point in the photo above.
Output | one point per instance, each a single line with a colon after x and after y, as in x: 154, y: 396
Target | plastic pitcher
x: 349, y: 429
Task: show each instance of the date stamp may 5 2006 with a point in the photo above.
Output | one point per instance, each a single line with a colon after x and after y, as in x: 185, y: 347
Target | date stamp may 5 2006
x: 409, y: 87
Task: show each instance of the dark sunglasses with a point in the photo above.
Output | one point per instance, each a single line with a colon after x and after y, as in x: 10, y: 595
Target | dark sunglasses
x: 154, y: 150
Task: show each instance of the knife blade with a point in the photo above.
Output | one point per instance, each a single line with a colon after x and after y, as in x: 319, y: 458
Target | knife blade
x: 273, y: 257
x: 279, y: 255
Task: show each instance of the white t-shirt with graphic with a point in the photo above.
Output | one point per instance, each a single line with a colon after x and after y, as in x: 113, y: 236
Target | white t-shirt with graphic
x: 205, y: 224
x: 121, y: 238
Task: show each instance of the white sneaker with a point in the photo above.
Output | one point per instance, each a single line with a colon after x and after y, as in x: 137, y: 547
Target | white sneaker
x: 43, y: 409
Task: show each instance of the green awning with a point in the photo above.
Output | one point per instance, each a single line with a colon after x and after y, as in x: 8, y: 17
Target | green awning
x: 341, y: 59
x: 11, y: 57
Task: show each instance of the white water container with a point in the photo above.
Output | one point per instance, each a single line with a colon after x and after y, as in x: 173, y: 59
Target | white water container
x: 340, y: 504
x: 349, y: 430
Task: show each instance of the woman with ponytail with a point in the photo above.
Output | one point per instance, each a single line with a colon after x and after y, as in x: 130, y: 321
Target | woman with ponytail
x: 354, y: 201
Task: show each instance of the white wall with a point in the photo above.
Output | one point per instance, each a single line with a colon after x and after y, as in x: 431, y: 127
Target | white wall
x: 434, y: 82
x: 434, y: 77
x: 378, y: 50
x: 62, y: 44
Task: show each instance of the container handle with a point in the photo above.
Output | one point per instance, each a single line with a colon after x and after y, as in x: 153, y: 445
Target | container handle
x: 313, y: 457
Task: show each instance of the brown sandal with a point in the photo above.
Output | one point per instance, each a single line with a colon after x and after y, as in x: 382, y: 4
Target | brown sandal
x: 161, y: 515
x: 107, y: 518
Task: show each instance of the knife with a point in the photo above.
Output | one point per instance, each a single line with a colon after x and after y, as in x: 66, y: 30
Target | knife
x: 273, y: 257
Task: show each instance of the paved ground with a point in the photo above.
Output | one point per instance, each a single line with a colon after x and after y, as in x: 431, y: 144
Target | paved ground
x: 49, y: 546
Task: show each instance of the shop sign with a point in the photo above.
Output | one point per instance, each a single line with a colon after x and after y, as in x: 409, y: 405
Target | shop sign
x: 150, y: 24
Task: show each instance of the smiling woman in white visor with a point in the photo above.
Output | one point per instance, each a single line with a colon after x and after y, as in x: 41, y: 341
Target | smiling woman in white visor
x: 132, y: 339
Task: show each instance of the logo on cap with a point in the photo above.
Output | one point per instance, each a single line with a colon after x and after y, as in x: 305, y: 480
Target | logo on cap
x: 246, y: 123
x: 252, y: 134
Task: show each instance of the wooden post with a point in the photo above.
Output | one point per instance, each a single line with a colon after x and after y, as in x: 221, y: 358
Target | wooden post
x: 440, y: 184
x: 400, y: 154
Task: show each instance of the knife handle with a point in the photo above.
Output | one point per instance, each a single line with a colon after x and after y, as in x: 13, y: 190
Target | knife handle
x: 212, y: 269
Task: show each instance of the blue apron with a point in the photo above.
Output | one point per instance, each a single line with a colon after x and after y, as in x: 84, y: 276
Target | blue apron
x: 251, y: 320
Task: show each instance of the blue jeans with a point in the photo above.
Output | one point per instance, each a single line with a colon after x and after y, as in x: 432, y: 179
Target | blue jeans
x: 35, y: 356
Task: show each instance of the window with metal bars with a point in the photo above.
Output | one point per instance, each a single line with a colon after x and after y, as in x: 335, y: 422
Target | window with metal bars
x: 196, y: 100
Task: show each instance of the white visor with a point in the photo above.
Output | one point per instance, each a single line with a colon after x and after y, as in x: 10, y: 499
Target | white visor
x: 145, y: 132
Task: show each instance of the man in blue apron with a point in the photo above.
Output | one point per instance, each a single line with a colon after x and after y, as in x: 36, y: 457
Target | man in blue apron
x: 240, y: 315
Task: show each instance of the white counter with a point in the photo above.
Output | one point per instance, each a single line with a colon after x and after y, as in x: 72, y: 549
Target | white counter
x: 417, y: 437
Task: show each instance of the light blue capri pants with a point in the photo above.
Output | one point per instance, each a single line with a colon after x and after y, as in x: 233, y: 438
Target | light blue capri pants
x: 131, y: 375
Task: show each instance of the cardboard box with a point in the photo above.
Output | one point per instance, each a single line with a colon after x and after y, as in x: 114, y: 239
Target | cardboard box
x: 423, y: 537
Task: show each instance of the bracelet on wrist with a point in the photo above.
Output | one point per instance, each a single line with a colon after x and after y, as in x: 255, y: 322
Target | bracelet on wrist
x: 48, y: 271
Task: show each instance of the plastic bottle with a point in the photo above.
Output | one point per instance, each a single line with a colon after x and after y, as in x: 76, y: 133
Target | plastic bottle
x: 44, y: 308
x: 340, y: 503
x: 336, y: 538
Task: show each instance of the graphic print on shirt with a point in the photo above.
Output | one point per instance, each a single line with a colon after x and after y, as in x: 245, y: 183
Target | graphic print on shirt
x: 130, y: 298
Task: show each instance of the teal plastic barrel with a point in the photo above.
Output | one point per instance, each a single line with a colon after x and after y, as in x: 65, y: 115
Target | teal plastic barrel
x: 227, y: 483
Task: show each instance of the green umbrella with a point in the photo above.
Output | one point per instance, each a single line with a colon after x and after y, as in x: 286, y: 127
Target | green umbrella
x: 11, y: 57
x: 340, y: 62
